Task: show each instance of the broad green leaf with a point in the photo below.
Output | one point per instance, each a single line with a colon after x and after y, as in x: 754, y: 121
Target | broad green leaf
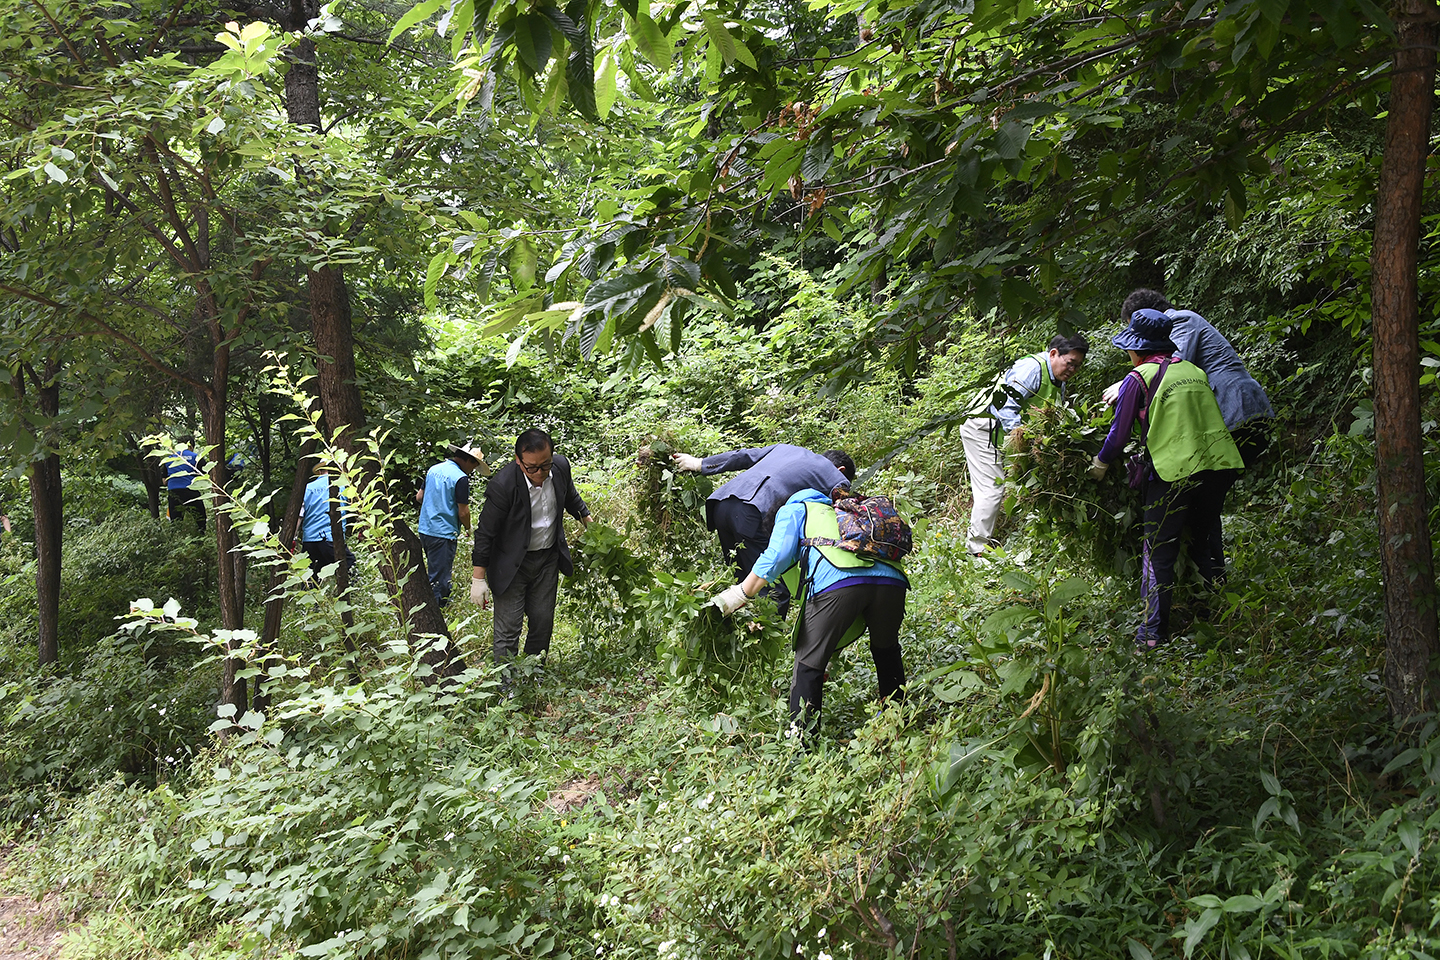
x: 653, y: 42
x: 1197, y: 927
x: 419, y: 12
x: 999, y: 622
x: 720, y: 38
x: 524, y: 261
x: 1138, y: 950
x: 605, y: 86
x: 743, y: 54
x: 1011, y: 138
x: 1022, y: 582
x: 433, y: 273
x: 1409, y: 832
x: 532, y: 41
x: 1242, y: 903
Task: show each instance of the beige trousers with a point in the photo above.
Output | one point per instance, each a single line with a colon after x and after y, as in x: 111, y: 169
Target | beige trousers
x: 987, y: 480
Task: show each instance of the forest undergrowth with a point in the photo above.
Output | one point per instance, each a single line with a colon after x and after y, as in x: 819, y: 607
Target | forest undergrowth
x: 1042, y: 792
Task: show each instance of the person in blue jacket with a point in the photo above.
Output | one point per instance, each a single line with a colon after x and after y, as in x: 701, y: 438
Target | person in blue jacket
x: 315, y: 530
x: 840, y: 595
x: 742, y: 510
x: 182, y: 467
x: 445, y: 511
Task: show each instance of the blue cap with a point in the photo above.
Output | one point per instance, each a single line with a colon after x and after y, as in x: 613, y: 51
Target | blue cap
x: 1149, y: 331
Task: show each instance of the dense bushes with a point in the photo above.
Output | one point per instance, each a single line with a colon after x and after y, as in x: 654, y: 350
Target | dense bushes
x: 130, y: 704
x: 1042, y: 790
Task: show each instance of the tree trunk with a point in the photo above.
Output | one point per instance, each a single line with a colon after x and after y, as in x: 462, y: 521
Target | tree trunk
x: 213, y: 413
x: 274, y: 599
x: 47, y: 505
x: 330, y: 321
x: 150, y: 476
x: 266, y: 411
x: 1406, y: 562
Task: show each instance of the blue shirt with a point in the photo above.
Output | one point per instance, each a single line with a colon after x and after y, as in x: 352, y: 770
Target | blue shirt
x: 446, y: 486
x: 784, y: 551
x: 315, y: 513
x: 181, y: 469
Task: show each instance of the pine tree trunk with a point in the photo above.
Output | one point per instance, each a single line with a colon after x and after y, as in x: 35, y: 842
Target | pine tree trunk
x: 1406, y: 562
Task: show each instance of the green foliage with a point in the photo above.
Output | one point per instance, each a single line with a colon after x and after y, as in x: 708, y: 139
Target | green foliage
x: 1049, y: 486
x: 124, y: 556
x: 135, y: 707
x: 696, y: 642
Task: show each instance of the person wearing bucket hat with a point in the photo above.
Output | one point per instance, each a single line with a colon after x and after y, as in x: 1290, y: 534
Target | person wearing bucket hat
x: 1190, y: 459
x: 445, y: 510
x: 1242, y: 400
x: 996, y: 413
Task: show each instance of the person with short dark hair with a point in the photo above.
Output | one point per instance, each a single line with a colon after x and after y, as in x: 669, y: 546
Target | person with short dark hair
x: 445, y: 511
x: 520, y: 548
x: 182, y: 467
x: 742, y: 511
x: 1243, y: 402
x: 1034, y: 378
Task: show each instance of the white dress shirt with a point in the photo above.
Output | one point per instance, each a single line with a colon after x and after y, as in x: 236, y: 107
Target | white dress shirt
x: 544, y: 514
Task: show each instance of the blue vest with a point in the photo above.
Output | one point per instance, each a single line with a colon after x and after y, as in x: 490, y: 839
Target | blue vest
x: 438, y: 515
x: 178, y: 474
x: 317, y: 510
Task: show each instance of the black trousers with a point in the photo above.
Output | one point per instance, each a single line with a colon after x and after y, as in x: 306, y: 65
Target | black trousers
x: 881, y: 603
x: 322, y: 554
x: 1192, y: 504
x: 179, y: 501
x: 1253, y: 438
x: 744, y: 533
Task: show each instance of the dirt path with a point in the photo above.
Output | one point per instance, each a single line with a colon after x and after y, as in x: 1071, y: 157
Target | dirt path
x: 28, y: 930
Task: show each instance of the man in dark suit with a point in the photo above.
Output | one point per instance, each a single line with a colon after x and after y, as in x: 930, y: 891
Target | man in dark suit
x: 520, y: 549
x: 742, y: 511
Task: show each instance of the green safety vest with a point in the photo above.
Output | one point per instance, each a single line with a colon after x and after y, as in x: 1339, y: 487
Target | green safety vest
x: 1187, y: 433
x: 821, y: 521
x: 996, y: 394
x: 1050, y: 389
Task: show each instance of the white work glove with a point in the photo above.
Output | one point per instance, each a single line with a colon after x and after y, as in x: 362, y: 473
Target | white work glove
x: 1112, y: 393
x: 1097, y: 468
x: 730, y: 599
x: 480, y: 593
x: 686, y: 462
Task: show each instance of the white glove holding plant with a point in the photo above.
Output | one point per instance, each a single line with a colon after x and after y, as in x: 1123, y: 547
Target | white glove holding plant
x: 1098, y: 468
x: 480, y: 593
x: 687, y: 463
x: 730, y: 599
x: 1111, y: 393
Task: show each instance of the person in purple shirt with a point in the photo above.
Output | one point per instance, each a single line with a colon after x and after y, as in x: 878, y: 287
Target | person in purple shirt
x: 742, y: 511
x: 1242, y: 400
x: 1189, y: 456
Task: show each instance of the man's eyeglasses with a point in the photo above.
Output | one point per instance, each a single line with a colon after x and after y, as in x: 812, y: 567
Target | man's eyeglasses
x: 536, y: 469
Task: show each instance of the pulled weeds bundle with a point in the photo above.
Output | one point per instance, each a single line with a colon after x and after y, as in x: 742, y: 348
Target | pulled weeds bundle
x: 1050, y: 489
